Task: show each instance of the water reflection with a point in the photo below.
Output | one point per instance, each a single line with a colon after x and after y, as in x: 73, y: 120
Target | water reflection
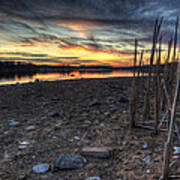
x: 23, y: 77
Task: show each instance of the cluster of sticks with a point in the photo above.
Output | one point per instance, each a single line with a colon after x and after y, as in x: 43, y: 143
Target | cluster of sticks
x: 163, y: 86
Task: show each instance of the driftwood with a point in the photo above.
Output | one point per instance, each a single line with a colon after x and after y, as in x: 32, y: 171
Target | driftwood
x: 141, y: 126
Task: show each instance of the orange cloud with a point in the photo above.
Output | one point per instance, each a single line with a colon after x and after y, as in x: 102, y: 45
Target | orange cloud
x: 80, y: 49
x: 80, y: 27
x: 85, y: 50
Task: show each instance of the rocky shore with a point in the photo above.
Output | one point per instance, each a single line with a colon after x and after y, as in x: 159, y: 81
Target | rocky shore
x: 43, y: 122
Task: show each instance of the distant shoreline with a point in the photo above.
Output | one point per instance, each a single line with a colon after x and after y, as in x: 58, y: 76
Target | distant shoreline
x: 24, y: 73
x: 60, y: 80
x: 28, y: 67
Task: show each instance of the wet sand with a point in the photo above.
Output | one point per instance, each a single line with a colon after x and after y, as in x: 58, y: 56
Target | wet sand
x: 48, y: 115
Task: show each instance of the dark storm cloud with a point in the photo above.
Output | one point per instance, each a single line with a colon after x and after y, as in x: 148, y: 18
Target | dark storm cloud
x: 104, y: 10
x: 99, y: 9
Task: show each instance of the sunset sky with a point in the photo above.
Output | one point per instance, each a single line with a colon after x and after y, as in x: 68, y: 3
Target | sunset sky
x: 81, y: 32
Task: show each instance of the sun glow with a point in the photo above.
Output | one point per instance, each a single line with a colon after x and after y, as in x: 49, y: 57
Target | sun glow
x: 94, y: 54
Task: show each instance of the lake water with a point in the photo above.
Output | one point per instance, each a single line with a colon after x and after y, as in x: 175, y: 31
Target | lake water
x: 8, y: 78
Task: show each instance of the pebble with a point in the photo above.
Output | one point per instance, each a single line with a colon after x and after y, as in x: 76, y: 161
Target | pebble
x: 124, y: 142
x: 85, y: 141
x: 30, y: 128
x: 123, y: 99
x: 54, y: 114
x: 176, y: 157
x: 144, y: 146
x: 147, y: 159
x: 54, y: 137
x: 45, y: 103
x: 176, y: 150
x: 148, y: 171
x: 93, y: 178
x: 22, y: 146
x: 6, y: 133
x: 102, y: 125
x: 110, y: 100
x: 13, y: 123
x: 24, y: 143
x: 41, y: 168
x: 76, y: 138
x: 25, y: 119
x: 94, y: 103
x: 69, y: 161
x: 107, y: 113
x: 87, y: 122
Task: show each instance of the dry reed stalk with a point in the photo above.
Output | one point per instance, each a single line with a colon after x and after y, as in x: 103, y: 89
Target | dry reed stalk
x: 169, y: 50
x: 173, y: 65
x: 168, y: 144
x: 133, y: 100
x: 140, y: 63
x: 143, y: 69
x: 175, y: 38
x: 167, y: 67
x: 166, y: 100
x: 157, y: 27
x: 158, y: 87
x: 167, y: 71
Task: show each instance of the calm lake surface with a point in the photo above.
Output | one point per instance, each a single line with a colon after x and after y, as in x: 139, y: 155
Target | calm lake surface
x: 14, y: 78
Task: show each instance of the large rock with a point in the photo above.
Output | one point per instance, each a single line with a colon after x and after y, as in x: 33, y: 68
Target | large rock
x: 97, y: 152
x: 69, y: 161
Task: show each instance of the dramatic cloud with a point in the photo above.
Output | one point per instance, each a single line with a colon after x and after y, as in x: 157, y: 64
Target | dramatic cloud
x: 88, y: 27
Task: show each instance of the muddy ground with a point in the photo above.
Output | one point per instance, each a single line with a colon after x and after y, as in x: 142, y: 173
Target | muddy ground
x: 49, y: 115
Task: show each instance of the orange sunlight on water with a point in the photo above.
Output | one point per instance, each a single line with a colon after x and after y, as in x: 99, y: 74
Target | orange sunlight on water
x: 65, y: 76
